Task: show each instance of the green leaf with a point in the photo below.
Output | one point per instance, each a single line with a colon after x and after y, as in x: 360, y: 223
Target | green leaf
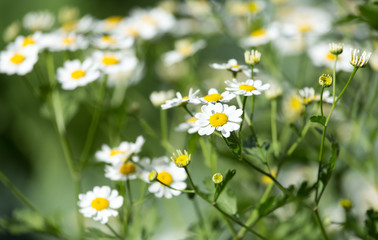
x: 96, y: 233
x: 318, y: 119
x: 227, y: 202
x: 369, y: 13
x: 347, y: 19
x: 371, y: 223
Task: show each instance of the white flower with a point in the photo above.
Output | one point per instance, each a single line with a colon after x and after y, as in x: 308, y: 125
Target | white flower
x: 321, y: 56
x: 123, y: 170
x: 169, y: 174
x: 260, y: 36
x: 31, y: 41
x: 18, y: 61
x: 247, y: 88
x: 220, y: 117
x: 159, y: 98
x: 114, y: 62
x: 189, y: 125
x: 327, y: 98
x: 292, y: 107
x: 74, y: 74
x: 359, y: 60
x: 307, y: 94
x: 214, y: 96
x: 231, y: 65
x: 38, y: 21
x: 274, y: 91
x: 113, y: 42
x: 180, y: 100
x: 60, y: 42
x: 120, y: 153
x: 85, y: 24
x: 100, y: 204
x: 183, y: 49
x: 241, y: 8
x: 107, y: 25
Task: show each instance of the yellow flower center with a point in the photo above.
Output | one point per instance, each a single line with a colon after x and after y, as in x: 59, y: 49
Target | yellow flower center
x: 185, y: 50
x: 110, y: 60
x: 165, y: 177
x: 70, y: 26
x: 114, y: 19
x: 108, y: 39
x: 100, y: 203
x: 186, y: 97
x: 114, y: 152
x: 68, y: 40
x: 149, y: 20
x: 78, y: 74
x: 331, y: 57
x: 28, y: 41
x: 258, y: 33
x: 235, y: 66
x: 182, y: 160
x: 213, y: 97
x: 305, y: 27
x: 247, y: 88
x: 132, y: 31
x: 253, y: 7
x: 127, y: 168
x: 191, y: 120
x: 218, y: 119
x: 295, y: 104
x: 17, y: 58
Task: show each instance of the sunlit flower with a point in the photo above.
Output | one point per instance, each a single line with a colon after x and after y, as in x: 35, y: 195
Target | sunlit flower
x: 74, y: 74
x: 213, y: 96
x: 189, y: 125
x: 38, y: 21
x: 18, y: 61
x: 231, y: 65
x: 120, y: 153
x: 169, y: 174
x: 113, y: 42
x: 71, y: 42
x: 358, y: 60
x: 179, y: 100
x: 247, y: 88
x: 220, y: 117
x: 183, y: 48
x: 100, y: 204
x: 85, y: 24
x: 321, y: 56
x: 181, y: 159
x: 159, y: 98
x: 260, y: 36
x: 114, y: 62
x: 123, y: 170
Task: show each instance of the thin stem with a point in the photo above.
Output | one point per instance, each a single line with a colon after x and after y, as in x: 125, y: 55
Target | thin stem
x: 233, y: 231
x: 213, y: 160
x: 163, y: 125
x: 320, y: 224
x: 113, y: 231
x: 252, y: 107
x: 299, y: 139
x: 321, y: 101
x: 187, y: 110
x: 94, y: 123
x: 273, y: 123
x: 183, y: 191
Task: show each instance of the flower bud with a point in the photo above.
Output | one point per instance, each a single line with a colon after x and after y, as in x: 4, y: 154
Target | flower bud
x: 152, y: 176
x: 252, y: 57
x: 217, y: 178
x: 325, y: 80
x: 336, y: 48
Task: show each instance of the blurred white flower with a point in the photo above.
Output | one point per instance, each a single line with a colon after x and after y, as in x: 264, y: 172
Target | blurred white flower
x: 74, y: 74
x: 179, y: 100
x: 12, y: 31
x: 108, y: 24
x: 159, y: 98
x: 113, y: 42
x: 124, y: 170
x: 60, y: 42
x: 231, y: 65
x: 115, y: 62
x: 38, y: 21
x: 183, y: 49
x: 18, y: 61
x: 321, y: 56
x: 260, y: 36
x: 240, y: 8
x: 189, y: 125
x: 100, y: 204
x: 247, y: 88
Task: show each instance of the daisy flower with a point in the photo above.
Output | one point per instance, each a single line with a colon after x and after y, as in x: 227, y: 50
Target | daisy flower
x: 181, y: 159
x: 180, y: 100
x: 113, y: 42
x: 359, y: 60
x: 120, y: 153
x: 247, y: 88
x: 71, y: 42
x: 159, y: 98
x: 292, y: 107
x: 231, y: 65
x: 74, y: 74
x: 169, y: 174
x: 213, y: 96
x: 307, y: 94
x: 220, y: 117
x: 33, y: 40
x: 38, y: 21
x: 18, y: 61
x: 123, y: 170
x: 240, y: 8
x: 107, y: 25
x: 260, y: 36
x: 321, y: 56
x: 113, y: 62
x: 183, y: 49
x: 100, y: 204
x: 327, y: 98
x: 189, y: 125
x: 133, y: 28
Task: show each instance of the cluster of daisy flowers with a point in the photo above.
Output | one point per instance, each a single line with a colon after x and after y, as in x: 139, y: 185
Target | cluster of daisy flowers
x: 123, y: 163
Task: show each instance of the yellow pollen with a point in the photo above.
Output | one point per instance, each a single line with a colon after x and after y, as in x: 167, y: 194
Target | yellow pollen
x: 110, y: 60
x: 191, y: 120
x: 235, y: 66
x: 100, y: 203
x: 28, y: 41
x: 165, y: 177
x: 108, y: 39
x: 182, y: 160
x: 218, y: 119
x: 213, y: 97
x: 258, y: 33
x: 17, y: 58
x: 77, y: 74
x: 186, y: 97
x: 68, y: 40
x: 303, y: 28
x: 114, y: 152
x: 127, y: 168
x: 247, y: 88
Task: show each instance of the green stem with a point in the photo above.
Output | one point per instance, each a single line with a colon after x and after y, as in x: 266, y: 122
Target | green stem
x: 213, y: 159
x: 183, y: 191
x: 320, y: 224
x: 273, y: 123
x: 321, y: 101
x: 229, y: 224
x: 252, y: 107
x: 163, y: 125
x: 299, y: 139
x: 187, y: 110
x: 94, y: 123
x: 334, y: 80
x: 114, y: 232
